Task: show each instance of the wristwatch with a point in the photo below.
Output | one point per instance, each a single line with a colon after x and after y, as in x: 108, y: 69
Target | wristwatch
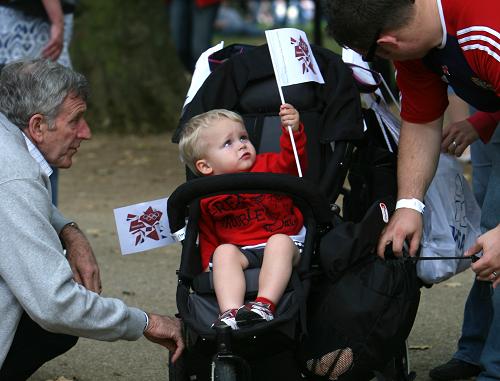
x: 72, y: 224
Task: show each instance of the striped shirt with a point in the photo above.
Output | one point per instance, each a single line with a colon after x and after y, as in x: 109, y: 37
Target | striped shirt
x: 37, y: 155
x: 468, y: 59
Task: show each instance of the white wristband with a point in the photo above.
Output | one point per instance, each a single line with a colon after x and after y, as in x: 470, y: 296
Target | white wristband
x: 411, y: 203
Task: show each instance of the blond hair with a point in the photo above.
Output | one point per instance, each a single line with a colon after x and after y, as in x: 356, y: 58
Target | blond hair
x: 191, y: 148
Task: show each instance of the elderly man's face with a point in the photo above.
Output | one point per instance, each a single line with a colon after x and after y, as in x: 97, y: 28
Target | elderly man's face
x: 62, y: 141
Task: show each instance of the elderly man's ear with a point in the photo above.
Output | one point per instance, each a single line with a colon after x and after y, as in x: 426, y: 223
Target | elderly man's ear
x: 37, y: 127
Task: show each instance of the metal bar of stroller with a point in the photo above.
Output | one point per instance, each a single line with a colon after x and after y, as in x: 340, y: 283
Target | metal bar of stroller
x: 474, y: 258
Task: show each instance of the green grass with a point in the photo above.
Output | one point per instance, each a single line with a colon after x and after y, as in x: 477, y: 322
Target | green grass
x: 328, y: 42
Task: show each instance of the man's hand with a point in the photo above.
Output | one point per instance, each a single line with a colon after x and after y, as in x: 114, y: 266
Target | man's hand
x: 487, y: 267
x: 166, y: 331
x: 404, y: 224
x: 457, y: 137
x: 52, y: 50
x: 81, y: 258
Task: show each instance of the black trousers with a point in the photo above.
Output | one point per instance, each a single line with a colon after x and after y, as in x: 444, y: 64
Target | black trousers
x: 32, y: 347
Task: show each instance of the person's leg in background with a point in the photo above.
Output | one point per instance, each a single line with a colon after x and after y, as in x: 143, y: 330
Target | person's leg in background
x: 32, y: 347
x: 478, y: 315
x: 180, y: 13
x: 478, y: 310
x: 490, y: 218
x: 202, y: 29
x: 279, y: 10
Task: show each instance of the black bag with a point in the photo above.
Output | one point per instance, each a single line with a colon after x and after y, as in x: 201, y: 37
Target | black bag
x: 362, y: 302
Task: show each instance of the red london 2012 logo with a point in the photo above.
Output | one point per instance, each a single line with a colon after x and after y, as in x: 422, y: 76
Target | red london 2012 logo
x: 303, y: 54
x: 146, y: 225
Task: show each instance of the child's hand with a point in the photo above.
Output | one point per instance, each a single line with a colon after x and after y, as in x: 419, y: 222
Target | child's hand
x: 289, y: 116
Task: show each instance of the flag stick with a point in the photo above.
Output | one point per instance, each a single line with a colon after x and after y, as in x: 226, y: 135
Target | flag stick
x: 290, y: 132
x: 299, y: 169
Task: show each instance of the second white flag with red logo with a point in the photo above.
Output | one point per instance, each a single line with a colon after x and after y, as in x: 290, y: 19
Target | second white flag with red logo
x: 292, y: 57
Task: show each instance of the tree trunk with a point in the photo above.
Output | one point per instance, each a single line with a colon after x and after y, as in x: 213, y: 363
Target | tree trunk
x: 137, y: 82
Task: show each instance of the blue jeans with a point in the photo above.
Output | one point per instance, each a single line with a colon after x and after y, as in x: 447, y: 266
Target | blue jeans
x: 192, y: 29
x: 481, y: 169
x: 478, y: 314
x: 480, y: 340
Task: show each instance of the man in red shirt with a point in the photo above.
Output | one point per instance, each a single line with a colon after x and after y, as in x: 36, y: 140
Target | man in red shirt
x: 239, y: 231
x: 435, y: 43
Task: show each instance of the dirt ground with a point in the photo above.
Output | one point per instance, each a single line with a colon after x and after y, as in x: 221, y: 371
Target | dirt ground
x: 112, y: 171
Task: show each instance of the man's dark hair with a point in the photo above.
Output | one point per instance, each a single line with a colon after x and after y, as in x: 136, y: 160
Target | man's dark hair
x: 356, y: 23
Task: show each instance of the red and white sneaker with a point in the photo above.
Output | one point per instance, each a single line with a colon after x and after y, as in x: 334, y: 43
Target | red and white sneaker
x: 253, y: 312
x: 226, y: 319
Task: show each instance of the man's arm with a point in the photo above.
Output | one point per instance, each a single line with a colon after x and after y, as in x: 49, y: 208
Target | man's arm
x: 418, y: 155
x: 81, y: 258
x: 37, y: 275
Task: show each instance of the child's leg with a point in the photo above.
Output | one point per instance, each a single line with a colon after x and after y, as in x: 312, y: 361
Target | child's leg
x: 280, y: 255
x: 229, y: 281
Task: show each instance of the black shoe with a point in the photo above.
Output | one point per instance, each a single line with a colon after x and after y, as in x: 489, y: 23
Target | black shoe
x: 454, y: 370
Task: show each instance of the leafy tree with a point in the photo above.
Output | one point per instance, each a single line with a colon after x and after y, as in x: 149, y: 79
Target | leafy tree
x: 137, y: 82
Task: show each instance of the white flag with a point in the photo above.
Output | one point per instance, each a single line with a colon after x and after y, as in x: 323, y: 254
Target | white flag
x: 143, y: 226
x: 292, y: 57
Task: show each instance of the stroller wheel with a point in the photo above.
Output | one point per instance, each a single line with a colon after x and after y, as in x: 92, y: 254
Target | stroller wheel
x: 223, y: 370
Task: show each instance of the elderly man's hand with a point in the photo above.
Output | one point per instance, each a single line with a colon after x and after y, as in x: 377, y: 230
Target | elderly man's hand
x: 488, y: 266
x: 166, y: 331
x: 81, y: 258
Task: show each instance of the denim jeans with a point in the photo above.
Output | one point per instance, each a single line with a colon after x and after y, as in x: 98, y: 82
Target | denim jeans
x: 481, y: 168
x: 192, y: 29
x: 480, y: 340
x: 478, y: 314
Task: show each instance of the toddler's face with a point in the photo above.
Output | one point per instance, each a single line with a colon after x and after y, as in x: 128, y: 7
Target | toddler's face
x: 227, y: 149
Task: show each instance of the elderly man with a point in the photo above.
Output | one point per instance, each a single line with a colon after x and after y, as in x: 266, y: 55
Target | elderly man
x: 48, y: 299
x: 436, y: 43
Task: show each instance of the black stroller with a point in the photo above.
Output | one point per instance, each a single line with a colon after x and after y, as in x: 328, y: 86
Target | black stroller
x: 243, y: 81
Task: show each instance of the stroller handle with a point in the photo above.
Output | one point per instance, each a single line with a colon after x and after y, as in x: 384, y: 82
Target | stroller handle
x: 297, y: 188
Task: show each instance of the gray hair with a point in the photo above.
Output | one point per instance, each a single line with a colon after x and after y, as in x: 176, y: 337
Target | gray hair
x: 37, y: 86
